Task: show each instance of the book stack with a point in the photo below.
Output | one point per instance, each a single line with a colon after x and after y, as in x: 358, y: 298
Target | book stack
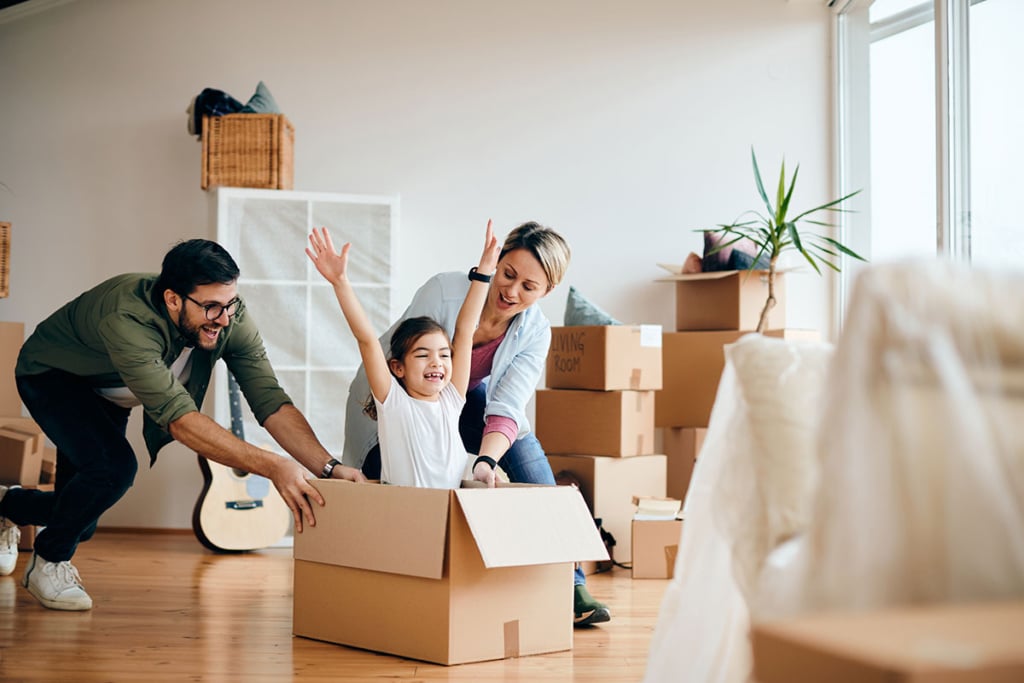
x: 657, y: 528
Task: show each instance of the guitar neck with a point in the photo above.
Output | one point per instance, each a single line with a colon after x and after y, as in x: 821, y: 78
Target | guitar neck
x: 235, y: 401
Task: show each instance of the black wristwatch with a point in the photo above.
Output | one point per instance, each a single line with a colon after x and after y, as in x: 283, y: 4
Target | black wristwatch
x: 479, y: 277
x: 328, y: 468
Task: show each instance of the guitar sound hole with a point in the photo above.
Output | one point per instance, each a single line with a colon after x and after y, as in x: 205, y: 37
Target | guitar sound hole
x: 239, y: 473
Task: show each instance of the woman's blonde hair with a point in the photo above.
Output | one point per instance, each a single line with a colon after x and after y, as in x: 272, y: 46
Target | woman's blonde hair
x: 547, y: 246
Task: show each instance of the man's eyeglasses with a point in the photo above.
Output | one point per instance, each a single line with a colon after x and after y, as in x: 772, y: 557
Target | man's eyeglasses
x: 214, y: 311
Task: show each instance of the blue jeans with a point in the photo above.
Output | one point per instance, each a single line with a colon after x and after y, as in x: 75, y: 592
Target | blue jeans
x: 524, y: 462
x: 95, y: 463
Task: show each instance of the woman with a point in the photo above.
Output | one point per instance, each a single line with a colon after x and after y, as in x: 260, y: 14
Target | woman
x: 510, y: 347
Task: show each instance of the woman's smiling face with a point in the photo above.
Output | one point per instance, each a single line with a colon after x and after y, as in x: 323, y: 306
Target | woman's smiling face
x: 518, y: 283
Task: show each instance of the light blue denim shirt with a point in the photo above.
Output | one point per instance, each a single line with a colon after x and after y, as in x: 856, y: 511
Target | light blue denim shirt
x: 518, y: 362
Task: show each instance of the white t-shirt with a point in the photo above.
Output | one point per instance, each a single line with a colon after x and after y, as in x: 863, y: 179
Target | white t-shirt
x: 123, y: 396
x: 420, y: 443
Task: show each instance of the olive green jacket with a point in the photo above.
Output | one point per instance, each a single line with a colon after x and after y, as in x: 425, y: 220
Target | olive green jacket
x: 118, y: 334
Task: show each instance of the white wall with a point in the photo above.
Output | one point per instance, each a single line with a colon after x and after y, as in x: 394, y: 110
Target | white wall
x: 624, y: 124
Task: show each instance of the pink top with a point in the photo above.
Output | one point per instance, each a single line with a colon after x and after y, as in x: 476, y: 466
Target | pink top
x: 479, y: 370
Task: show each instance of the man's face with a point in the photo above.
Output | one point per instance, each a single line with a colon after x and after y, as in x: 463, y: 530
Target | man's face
x: 193, y: 323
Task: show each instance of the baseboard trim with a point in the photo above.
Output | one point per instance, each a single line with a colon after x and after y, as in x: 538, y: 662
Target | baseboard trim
x: 142, y: 530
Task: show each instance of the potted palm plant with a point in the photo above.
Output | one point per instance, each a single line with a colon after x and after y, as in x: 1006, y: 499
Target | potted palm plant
x: 777, y: 231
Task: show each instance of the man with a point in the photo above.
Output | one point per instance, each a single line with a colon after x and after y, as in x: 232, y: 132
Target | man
x: 141, y: 339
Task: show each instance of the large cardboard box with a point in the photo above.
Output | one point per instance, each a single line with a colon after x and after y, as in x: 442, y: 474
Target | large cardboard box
x: 613, y: 423
x: 966, y: 643
x: 693, y: 364
x: 609, y: 484
x: 655, y: 543
x: 439, y: 575
x: 605, y: 358
x: 727, y: 300
x: 12, y: 335
x: 681, y: 446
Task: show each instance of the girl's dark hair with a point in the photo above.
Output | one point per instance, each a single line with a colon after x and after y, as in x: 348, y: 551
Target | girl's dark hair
x: 192, y: 263
x: 403, y: 339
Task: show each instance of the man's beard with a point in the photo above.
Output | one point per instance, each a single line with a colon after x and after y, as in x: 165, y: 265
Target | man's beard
x: 193, y: 336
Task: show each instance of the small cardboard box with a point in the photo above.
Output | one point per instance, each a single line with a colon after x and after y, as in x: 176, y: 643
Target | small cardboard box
x: 21, y: 457
x: 440, y: 575
x: 681, y: 446
x: 48, y: 470
x: 605, y: 358
x: 726, y: 300
x: 693, y: 364
x: 963, y: 643
x: 609, y: 484
x: 12, y: 335
x: 612, y: 423
x: 655, y: 543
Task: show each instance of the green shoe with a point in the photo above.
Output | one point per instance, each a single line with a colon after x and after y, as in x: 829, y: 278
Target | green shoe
x: 587, y: 610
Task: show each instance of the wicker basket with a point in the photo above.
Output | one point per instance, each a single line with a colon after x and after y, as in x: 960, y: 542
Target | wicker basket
x: 248, y: 150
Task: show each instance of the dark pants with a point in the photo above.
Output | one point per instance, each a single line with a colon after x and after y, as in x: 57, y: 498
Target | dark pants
x: 95, y: 463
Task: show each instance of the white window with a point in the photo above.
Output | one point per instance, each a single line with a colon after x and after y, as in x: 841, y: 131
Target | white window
x: 928, y: 103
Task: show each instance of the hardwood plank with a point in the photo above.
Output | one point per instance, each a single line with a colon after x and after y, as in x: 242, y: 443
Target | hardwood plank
x: 166, y: 609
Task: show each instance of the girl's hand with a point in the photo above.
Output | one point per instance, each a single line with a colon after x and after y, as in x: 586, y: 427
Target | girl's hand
x: 329, y: 263
x: 492, y: 248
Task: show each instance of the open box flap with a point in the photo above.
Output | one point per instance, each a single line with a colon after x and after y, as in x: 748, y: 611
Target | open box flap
x: 719, y: 274
x: 529, y: 525
x: 395, y: 529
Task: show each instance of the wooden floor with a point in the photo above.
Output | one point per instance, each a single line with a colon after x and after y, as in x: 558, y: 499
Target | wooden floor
x: 166, y: 609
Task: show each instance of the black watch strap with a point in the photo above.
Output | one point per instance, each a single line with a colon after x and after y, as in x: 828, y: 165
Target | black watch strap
x: 479, y: 277
x: 328, y: 468
x: 487, y: 459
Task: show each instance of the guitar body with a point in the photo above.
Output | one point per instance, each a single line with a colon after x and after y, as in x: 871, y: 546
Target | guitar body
x: 237, y: 511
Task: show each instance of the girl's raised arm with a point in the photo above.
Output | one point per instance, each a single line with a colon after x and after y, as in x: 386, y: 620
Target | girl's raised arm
x: 469, y: 314
x: 333, y: 266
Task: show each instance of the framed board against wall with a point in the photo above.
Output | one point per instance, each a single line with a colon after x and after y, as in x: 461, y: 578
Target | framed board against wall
x: 5, y: 259
x: 307, y: 339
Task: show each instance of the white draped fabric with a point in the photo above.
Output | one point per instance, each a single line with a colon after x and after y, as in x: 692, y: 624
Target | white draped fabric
x: 890, y: 471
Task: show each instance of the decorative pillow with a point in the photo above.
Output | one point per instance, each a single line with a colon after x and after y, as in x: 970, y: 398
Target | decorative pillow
x: 738, y: 256
x: 580, y: 311
x: 261, y: 102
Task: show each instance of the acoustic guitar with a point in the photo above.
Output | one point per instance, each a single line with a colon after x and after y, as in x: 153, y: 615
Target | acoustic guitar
x: 237, y: 510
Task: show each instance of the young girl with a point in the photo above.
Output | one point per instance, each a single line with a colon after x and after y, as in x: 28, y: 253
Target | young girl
x: 418, y: 392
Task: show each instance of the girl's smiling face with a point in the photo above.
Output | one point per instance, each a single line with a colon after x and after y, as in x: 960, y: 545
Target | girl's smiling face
x: 426, y: 368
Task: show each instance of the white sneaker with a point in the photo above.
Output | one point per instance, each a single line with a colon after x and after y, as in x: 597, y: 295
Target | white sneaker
x: 10, y: 534
x: 56, y: 585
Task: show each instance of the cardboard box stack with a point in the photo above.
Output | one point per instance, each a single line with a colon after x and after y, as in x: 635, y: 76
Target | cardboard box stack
x: 712, y: 310
x: 25, y: 457
x: 596, y: 418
